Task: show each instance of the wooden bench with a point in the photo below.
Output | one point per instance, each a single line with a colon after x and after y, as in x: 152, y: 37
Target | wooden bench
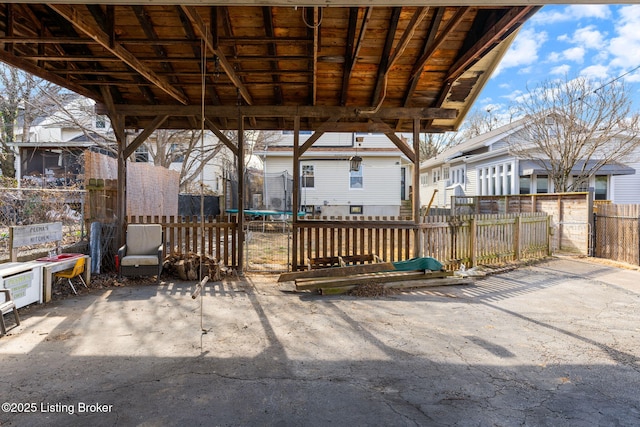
x: 5, y: 307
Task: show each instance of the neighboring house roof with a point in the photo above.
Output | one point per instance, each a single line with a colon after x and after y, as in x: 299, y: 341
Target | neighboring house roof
x: 530, y: 167
x: 484, y: 140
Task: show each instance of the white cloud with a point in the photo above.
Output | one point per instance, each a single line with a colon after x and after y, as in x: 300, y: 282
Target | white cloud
x: 627, y: 40
x: 574, y: 54
x: 589, y: 11
x: 523, y: 51
x: 595, y: 72
x: 554, y: 57
x: 589, y: 37
x: 562, y: 70
x: 554, y: 15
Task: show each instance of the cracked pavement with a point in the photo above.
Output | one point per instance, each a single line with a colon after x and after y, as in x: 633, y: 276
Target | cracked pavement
x: 556, y: 343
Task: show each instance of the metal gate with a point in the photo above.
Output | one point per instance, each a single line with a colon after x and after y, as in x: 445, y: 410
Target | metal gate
x: 267, y: 246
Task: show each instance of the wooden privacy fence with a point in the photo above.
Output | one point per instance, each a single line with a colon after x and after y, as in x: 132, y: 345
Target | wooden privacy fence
x: 217, y: 237
x: 453, y: 240
x: 617, y: 233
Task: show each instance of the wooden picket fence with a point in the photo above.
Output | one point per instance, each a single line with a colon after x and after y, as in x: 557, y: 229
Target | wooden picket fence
x: 617, y: 233
x: 453, y: 240
x: 217, y: 237
x: 472, y: 240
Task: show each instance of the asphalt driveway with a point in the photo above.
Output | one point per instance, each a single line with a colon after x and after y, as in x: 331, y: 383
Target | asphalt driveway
x: 553, y: 344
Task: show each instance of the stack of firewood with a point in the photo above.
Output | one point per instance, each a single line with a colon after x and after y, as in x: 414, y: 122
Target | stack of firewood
x: 187, y: 267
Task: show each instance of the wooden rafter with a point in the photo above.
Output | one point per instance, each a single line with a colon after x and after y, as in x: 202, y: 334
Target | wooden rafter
x: 349, y: 54
x: 272, y: 51
x: 383, y: 67
x: 444, y: 34
x: 489, y: 39
x: 71, y: 14
x: 199, y: 25
x: 428, y: 41
x: 287, y: 111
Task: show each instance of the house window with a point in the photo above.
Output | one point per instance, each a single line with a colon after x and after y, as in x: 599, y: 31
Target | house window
x: 424, y: 179
x: 525, y: 185
x: 436, y: 176
x: 308, y: 180
x: 307, y: 209
x: 445, y: 173
x: 601, y: 187
x: 355, y: 178
x: 355, y: 209
x: 177, y: 156
x: 141, y: 154
x: 457, y: 175
x: 542, y: 184
x: 101, y: 122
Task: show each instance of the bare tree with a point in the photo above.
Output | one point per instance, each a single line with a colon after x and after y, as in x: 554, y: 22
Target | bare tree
x: 574, y: 127
x: 434, y: 143
x: 24, y: 97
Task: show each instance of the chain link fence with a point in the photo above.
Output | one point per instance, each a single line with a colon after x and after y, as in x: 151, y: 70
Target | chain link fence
x: 26, y: 206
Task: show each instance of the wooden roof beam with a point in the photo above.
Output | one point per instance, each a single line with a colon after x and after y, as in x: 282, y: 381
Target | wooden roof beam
x: 195, y: 47
x: 231, y: 112
x: 221, y: 136
x: 349, y: 56
x: 70, y: 13
x: 429, y: 40
x: 152, y: 36
x: 383, y: 67
x: 271, y: 47
x: 446, y: 32
x: 205, y: 34
x: 492, y: 36
x: 142, y: 137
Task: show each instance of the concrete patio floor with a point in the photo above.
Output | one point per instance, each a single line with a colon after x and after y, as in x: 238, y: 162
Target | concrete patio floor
x: 557, y: 343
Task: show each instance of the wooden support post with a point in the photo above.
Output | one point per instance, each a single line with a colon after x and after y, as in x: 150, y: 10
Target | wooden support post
x: 473, y: 230
x: 418, y: 248
x: 240, y: 194
x: 121, y: 198
x: 296, y: 192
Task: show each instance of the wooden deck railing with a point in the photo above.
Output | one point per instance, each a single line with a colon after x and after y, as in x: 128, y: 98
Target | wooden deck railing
x: 216, y: 237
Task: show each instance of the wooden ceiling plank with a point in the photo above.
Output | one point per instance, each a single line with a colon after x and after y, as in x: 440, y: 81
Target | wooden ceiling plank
x: 444, y: 34
x: 349, y: 52
x: 71, y: 14
x: 408, y: 34
x: 199, y: 25
x: 432, y: 32
x: 383, y: 67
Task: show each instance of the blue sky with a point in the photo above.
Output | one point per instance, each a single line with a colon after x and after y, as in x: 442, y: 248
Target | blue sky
x: 596, y: 41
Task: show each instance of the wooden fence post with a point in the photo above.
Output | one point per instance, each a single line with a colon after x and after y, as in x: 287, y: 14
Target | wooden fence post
x: 473, y: 240
x: 516, y: 238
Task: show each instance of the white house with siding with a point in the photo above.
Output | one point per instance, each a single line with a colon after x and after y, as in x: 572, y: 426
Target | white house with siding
x: 483, y: 165
x: 328, y: 186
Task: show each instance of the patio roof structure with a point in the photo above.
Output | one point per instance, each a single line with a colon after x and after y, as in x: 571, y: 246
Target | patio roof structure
x: 365, y: 66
